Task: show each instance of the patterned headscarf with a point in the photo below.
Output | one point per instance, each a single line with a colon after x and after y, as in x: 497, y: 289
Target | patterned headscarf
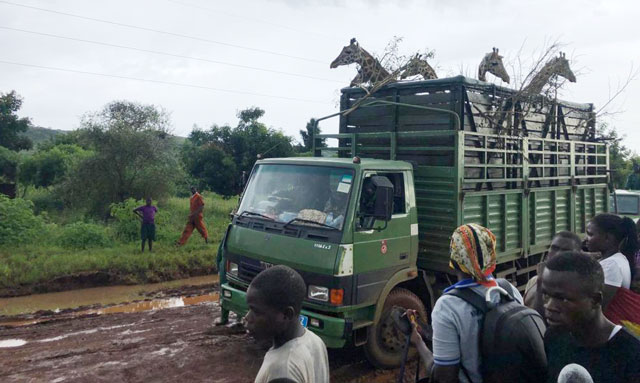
x: 473, y: 251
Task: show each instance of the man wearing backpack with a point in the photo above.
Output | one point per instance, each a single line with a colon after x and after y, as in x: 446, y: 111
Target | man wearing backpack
x: 474, y: 341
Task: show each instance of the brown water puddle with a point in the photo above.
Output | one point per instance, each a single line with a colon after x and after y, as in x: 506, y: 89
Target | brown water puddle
x: 111, y: 295
x: 134, y: 307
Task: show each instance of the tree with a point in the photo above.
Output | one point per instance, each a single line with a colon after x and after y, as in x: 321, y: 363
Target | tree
x: 8, y: 165
x: 213, y: 167
x: 11, y: 125
x: 218, y: 156
x: 619, y: 155
x: 308, y: 134
x: 133, y: 157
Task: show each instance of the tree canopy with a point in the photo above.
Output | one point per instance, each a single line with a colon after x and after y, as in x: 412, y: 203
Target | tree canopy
x: 219, y: 155
x: 11, y: 126
x: 133, y: 156
x: 308, y: 133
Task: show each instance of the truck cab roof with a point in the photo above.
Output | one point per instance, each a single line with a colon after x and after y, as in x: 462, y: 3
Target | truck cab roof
x: 365, y: 163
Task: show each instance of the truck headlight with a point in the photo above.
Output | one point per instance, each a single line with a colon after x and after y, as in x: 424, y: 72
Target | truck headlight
x: 232, y: 268
x: 318, y: 293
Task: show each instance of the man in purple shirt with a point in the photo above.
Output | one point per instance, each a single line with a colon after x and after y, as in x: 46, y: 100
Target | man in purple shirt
x: 147, y: 214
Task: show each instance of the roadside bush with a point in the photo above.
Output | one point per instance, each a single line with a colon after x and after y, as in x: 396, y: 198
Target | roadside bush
x: 18, y: 223
x: 82, y: 235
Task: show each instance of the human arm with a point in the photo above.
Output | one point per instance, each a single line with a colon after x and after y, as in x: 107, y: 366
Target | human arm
x: 416, y: 339
x: 613, y: 278
x: 446, y: 341
x: 137, y: 212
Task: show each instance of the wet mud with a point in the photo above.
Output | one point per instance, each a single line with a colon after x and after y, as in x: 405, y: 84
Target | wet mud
x: 148, y: 344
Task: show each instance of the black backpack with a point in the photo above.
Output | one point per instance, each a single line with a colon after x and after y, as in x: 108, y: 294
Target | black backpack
x: 511, y: 339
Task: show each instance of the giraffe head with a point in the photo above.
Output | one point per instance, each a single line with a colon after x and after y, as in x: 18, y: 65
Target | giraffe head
x: 417, y: 65
x: 349, y: 55
x: 561, y: 67
x: 492, y: 63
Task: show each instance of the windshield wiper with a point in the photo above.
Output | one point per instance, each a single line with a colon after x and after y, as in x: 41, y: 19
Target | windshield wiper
x: 247, y: 212
x: 310, y: 222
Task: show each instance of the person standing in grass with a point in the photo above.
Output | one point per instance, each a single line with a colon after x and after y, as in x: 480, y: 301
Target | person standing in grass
x: 195, y: 220
x: 147, y: 214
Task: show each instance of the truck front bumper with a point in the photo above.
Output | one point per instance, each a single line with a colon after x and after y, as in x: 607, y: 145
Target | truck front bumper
x: 333, y: 331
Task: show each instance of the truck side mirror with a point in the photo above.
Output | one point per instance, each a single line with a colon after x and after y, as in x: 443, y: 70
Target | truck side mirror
x: 383, y: 208
x: 379, y: 203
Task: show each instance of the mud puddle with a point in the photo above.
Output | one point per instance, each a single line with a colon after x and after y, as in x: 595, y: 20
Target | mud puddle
x: 28, y: 310
x: 94, y: 296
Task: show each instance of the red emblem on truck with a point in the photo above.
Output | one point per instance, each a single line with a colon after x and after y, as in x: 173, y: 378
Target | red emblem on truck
x: 383, y: 247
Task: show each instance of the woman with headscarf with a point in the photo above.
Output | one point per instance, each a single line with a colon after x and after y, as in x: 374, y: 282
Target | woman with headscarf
x: 456, y: 323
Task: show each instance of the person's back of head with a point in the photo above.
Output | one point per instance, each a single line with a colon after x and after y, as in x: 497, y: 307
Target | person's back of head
x: 473, y: 252
x: 623, y: 229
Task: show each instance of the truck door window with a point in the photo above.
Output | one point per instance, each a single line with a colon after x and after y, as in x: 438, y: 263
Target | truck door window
x: 399, y: 199
x: 368, y: 192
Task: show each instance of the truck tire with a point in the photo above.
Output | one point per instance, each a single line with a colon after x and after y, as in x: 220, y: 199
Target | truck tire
x: 384, y: 342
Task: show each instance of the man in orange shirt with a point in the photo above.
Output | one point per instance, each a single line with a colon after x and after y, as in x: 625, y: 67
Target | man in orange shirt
x: 195, y: 218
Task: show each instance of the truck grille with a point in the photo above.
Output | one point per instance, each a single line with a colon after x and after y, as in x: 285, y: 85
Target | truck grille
x: 248, y: 271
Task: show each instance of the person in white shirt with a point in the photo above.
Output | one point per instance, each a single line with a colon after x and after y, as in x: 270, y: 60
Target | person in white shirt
x: 616, y: 239
x: 297, y: 355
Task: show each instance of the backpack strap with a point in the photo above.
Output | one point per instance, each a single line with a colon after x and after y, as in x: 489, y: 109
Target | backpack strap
x: 506, y: 286
x: 471, y: 298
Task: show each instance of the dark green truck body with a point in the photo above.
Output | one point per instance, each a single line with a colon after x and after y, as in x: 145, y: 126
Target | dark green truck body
x: 458, y: 151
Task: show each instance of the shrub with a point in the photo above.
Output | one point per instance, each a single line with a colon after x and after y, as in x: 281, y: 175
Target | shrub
x: 82, y: 235
x: 18, y: 223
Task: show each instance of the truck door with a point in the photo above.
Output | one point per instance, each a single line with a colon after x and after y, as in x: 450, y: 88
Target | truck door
x: 380, y: 252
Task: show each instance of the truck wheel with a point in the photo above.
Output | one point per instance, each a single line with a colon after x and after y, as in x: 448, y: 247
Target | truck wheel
x: 384, y: 342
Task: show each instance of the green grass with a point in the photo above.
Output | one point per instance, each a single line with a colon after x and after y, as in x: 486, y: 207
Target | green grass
x: 23, y: 267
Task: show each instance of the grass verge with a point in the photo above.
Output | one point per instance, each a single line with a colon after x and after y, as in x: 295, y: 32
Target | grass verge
x: 44, y: 265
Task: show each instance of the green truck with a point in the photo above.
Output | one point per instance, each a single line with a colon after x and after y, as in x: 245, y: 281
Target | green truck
x: 367, y: 220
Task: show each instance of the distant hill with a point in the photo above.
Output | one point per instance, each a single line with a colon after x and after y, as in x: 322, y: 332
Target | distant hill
x: 39, y: 135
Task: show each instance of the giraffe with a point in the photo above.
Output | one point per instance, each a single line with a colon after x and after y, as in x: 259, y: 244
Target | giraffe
x: 557, y: 66
x: 370, y: 69
x: 418, y: 66
x: 492, y: 63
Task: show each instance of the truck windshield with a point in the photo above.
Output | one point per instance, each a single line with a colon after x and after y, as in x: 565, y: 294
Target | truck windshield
x: 298, y: 194
x: 627, y: 204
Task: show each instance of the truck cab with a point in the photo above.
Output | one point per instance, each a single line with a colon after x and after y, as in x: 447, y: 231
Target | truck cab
x: 318, y: 216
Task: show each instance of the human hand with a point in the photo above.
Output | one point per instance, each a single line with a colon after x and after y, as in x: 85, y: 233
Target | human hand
x: 416, y: 338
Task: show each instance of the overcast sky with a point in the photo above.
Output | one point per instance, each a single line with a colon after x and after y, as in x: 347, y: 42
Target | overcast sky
x: 297, y: 38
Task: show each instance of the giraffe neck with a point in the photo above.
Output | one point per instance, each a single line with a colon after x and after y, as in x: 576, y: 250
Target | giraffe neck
x: 540, y: 79
x: 483, y: 68
x: 369, y: 64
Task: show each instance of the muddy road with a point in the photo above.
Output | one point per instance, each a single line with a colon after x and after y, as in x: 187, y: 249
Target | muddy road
x: 140, y: 342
